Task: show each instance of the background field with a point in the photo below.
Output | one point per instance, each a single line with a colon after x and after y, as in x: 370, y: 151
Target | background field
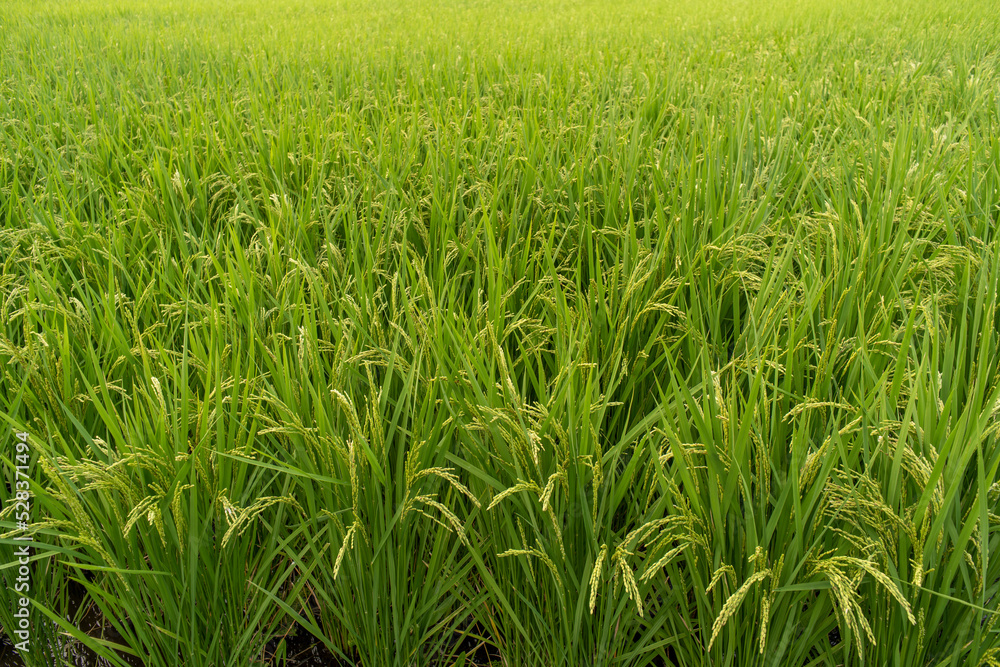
x: 533, y: 333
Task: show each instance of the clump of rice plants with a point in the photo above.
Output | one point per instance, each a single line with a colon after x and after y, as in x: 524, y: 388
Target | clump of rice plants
x: 536, y: 334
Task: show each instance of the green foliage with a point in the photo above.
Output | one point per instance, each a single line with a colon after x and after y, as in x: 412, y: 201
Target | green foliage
x: 648, y: 334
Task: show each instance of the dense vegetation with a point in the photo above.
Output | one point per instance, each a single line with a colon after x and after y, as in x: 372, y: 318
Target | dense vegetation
x: 638, y: 333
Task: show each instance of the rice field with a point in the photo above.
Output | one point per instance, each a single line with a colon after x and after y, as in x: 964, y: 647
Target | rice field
x: 454, y: 333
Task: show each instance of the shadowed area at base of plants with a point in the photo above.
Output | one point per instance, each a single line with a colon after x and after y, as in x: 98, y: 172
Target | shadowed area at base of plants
x: 300, y: 648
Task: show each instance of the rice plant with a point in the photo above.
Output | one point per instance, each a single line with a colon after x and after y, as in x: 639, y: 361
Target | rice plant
x: 529, y: 333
